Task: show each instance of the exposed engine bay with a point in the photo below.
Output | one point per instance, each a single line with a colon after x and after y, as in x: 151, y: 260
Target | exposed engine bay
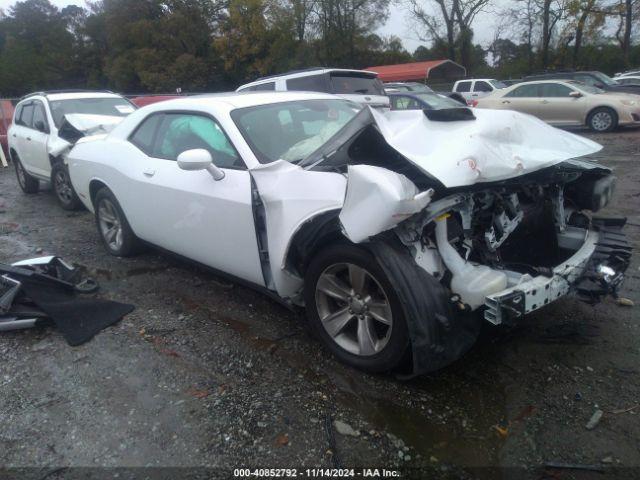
x: 516, y: 236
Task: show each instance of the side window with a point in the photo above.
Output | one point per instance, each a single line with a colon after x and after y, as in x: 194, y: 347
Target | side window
x: 263, y: 86
x: 40, y: 122
x: 554, y: 90
x: 143, y: 135
x: 524, y: 91
x: 310, y: 83
x: 463, y: 87
x: 180, y: 132
x: 16, y: 115
x: 587, y: 80
x: 481, y: 86
x: 26, y: 116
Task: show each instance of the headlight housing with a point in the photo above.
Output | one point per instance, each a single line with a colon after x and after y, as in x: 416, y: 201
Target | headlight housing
x: 591, y: 194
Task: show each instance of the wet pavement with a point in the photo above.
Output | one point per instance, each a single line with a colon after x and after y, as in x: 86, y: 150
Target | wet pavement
x: 206, y: 373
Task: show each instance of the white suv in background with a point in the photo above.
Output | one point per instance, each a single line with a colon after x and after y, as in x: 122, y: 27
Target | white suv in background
x: 359, y: 86
x: 473, y: 89
x: 41, y: 133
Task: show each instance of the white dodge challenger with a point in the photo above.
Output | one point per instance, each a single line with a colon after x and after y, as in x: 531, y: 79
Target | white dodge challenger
x: 399, y: 232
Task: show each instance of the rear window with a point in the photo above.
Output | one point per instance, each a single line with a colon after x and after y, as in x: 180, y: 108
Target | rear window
x: 353, y: 83
x: 116, y: 107
x: 310, y: 83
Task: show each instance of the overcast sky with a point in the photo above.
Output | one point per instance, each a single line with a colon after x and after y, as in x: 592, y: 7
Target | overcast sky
x: 396, y: 25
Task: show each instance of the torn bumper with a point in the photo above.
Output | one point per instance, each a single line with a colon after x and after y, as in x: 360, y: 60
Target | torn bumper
x: 595, y: 270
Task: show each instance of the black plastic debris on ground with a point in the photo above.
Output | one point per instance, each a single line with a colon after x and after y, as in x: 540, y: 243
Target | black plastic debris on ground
x: 48, y: 297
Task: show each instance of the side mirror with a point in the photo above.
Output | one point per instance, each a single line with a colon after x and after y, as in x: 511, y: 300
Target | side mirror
x: 599, y: 85
x: 40, y: 126
x: 575, y: 94
x: 199, y: 159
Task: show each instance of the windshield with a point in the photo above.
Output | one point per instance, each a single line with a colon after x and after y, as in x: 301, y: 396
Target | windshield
x: 498, y: 84
x: 292, y: 131
x: 354, y: 83
x: 438, y: 102
x: 606, y: 79
x: 117, y: 107
x: 586, y: 88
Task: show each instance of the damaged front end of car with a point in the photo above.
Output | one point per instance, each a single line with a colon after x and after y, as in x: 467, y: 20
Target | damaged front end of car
x: 514, y: 246
x: 489, y: 217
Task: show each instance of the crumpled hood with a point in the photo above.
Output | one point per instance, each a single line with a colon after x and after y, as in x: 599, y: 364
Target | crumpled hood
x: 498, y: 145
x: 90, y: 123
x: 82, y: 123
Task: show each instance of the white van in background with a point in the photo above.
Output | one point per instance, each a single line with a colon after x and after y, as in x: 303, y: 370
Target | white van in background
x: 357, y: 85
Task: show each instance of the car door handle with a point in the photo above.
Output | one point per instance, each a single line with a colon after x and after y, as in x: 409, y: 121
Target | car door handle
x: 14, y: 135
x: 544, y: 101
x: 149, y: 172
x: 506, y: 101
x: 29, y: 138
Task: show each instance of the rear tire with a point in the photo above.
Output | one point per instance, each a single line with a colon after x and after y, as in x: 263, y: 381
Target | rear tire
x: 602, y: 119
x: 113, y: 227
x: 62, y: 187
x: 27, y: 183
x: 354, y: 309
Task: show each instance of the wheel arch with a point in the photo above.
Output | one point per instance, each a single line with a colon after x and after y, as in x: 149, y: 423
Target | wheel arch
x: 94, y: 187
x: 315, y: 233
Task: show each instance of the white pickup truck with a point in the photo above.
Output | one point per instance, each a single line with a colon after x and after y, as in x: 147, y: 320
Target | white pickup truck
x: 472, y: 89
x: 46, y: 124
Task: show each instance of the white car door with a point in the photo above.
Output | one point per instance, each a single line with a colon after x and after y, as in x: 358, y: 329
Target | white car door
x: 31, y: 143
x: 188, y: 212
x: 37, y: 141
x: 19, y: 132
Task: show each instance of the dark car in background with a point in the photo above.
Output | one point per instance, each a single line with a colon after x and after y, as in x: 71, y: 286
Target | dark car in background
x: 422, y: 101
x: 591, y: 78
x: 391, y: 87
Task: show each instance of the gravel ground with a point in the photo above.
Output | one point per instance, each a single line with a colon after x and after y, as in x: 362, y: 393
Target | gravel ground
x: 205, y: 373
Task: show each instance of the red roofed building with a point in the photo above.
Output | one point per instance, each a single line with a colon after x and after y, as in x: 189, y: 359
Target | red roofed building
x: 420, y: 71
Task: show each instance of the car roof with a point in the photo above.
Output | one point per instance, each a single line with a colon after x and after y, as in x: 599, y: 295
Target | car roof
x: 55, y: 96
x: 534, y: 81
x: 70, y: 96
x: 411, y: 93
x: 562, y: 74
x: 234, y: 100
x: 305, y: 73
x: 476, y: 80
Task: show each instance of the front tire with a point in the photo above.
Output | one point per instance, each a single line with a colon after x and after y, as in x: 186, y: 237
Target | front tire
x: 28, y: 184
x: 63, y: 189
x: 602, y: 119
x: 113, y: 227
x: 354, y: 309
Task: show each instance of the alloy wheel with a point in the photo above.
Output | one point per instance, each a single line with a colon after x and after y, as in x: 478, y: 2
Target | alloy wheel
x: 110, y: 225
x: 601, y: 121
x: 354, y: 309
x: 63, y: 187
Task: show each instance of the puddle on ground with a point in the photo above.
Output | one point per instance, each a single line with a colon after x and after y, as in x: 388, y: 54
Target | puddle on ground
x: 445, y: 441
x: 465, y: 438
